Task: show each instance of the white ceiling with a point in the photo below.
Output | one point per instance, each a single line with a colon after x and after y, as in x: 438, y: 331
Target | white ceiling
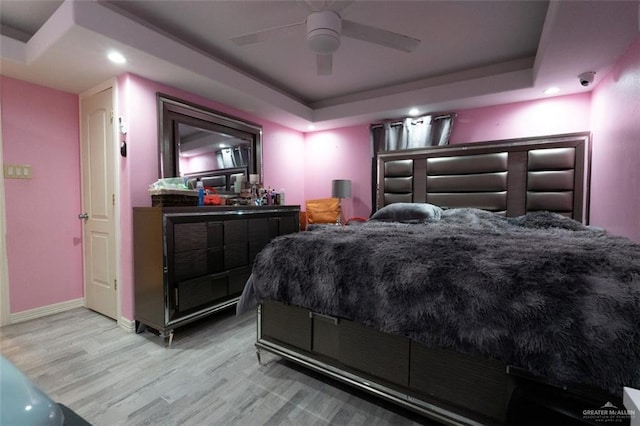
x: 473, y: 53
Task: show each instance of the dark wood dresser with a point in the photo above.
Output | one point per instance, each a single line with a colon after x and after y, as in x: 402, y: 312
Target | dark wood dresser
x: 190, y: 262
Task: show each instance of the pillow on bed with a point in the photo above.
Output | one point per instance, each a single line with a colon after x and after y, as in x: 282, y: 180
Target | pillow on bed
x: 408, y: 213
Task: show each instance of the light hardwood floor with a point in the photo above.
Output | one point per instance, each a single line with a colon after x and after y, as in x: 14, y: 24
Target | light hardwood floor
x: 209, y: 376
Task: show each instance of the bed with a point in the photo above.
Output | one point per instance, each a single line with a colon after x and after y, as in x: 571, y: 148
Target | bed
x: 477, y: 294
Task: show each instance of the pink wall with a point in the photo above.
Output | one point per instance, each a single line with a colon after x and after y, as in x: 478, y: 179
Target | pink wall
x: 615, y: 114
x: 44, y: 236
x: 283, y: 151
x: 340, y: 154
x: 550, y: 116
x: 198, y: 163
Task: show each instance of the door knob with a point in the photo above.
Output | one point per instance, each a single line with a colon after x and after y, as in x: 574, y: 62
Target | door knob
x: 83, y: 216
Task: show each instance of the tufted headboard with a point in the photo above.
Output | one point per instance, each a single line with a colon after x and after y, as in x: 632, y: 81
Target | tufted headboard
x: 510, y: 177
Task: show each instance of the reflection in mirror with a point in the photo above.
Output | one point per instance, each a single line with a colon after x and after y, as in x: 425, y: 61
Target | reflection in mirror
x: 199, y: 143
x: 202, y: 149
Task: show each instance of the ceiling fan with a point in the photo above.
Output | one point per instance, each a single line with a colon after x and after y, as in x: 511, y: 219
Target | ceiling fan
x: 325, y: 27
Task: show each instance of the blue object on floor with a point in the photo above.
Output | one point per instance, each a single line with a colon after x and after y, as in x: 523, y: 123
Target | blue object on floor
x: 22, y: 403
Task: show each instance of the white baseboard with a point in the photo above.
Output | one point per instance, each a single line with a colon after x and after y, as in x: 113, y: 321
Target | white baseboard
x: 43, y: 311
x: 127, y: 324
x: 57, y: 308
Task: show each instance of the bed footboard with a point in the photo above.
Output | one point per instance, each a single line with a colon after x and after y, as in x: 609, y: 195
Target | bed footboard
x: 446, y: 386
x: 469, y: 391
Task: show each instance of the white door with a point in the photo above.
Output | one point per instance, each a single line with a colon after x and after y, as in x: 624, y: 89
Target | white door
x: 98, y: 203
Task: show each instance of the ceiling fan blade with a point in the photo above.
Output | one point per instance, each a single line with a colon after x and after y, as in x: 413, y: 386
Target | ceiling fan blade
x: 325, y: 64
x: 379, y: 36
x: 335, y: 5
x: 315, y: 6
x: 267, y: 34
x: 339, y: 5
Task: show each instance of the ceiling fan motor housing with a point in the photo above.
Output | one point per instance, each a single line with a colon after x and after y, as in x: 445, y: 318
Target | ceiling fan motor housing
x: 323, y: 31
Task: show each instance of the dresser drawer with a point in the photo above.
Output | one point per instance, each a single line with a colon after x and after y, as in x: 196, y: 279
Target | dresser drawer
x: 201, y: 291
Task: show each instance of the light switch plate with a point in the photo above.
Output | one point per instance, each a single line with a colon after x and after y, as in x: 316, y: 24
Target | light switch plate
x: 17, y: 171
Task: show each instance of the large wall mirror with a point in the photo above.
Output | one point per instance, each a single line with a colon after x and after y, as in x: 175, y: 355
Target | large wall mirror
x: 199, y: 143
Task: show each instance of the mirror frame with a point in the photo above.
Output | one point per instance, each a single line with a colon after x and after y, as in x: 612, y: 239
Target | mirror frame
x: 173, y: 111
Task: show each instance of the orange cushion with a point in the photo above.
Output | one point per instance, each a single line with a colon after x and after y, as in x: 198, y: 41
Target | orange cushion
x: 323, y: 210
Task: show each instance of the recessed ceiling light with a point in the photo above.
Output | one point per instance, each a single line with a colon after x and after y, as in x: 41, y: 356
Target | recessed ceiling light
x: 311, y: 127
x: 414, y: 111
x: 551, y: 91
x: 116, y: 57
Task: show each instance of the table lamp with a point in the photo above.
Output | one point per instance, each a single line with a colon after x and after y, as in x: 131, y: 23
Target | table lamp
x: 340, y: 188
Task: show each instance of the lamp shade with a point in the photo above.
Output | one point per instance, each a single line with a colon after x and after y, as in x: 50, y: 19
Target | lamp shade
x: 341, y: 188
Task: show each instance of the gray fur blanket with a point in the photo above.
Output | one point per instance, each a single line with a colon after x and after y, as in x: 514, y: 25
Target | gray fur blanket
x: 540, y: 292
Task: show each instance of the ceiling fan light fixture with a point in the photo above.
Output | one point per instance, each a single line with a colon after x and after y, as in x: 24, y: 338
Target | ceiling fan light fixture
x: 323, y: 31
x: 323, y: 43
